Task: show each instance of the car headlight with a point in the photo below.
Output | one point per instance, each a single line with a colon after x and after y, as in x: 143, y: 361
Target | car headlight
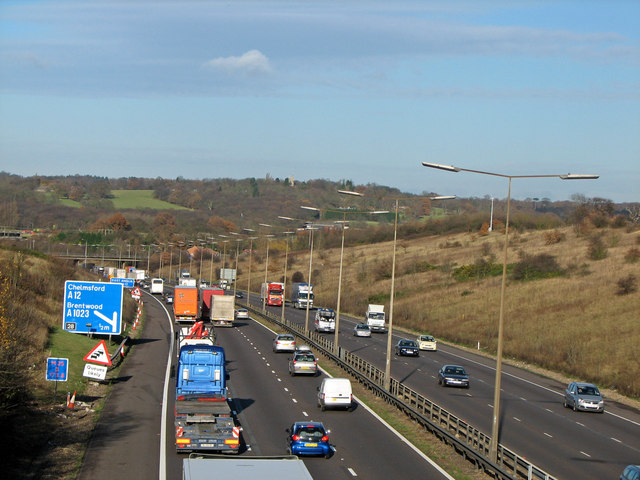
x: 581, y: 401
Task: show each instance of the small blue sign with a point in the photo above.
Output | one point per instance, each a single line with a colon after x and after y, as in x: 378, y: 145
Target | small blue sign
x: 92, y: 307
x: 126, y: 282
x: 57, y: 369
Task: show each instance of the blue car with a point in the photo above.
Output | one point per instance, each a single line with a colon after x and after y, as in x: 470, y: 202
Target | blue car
x: 309, y: 438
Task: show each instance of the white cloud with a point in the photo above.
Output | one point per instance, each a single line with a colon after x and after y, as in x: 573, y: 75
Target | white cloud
x: 249, y: 62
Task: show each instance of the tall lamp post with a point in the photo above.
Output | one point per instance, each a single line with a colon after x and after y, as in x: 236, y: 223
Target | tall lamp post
x: 251, y: 239
x: 495, y: 428
x: 266, y: 272
x: 284, y: 283
x: 311, y: 228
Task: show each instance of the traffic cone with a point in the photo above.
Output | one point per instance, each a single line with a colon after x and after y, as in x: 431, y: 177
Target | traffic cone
x: 72, y: 402
x: 68, y: 396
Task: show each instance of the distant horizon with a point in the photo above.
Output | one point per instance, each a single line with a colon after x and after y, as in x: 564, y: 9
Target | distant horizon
x: 484, y: 197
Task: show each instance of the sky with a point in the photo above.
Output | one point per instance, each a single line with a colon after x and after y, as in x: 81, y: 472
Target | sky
x: 358, y: 90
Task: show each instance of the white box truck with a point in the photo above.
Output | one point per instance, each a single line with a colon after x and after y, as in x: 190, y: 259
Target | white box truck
x: 375, y: 318
x: 301, y: 293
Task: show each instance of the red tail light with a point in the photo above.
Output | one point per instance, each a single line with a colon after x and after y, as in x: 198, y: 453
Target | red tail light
x: 295, y: 438
x: 325, y: 438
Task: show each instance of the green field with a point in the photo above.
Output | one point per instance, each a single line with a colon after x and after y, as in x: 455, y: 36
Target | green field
x: 140, y: 199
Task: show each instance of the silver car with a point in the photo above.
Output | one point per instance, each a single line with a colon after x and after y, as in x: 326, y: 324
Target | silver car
x: 284, y: 342
x: 583, y: 396
x: 305, y: 363
x: 362, y: 330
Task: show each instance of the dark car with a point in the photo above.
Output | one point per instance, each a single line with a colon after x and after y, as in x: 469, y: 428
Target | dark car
x: 453, y: 375
x: 406, y: 347
x: 239, y: 295
x: 631, y: 472
x: 168, y: 297
x: 308, y: 438
x: 583, y: 396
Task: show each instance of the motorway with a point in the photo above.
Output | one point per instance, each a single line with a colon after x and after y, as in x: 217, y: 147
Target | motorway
x: 134, y: 437
x: 534, y: 423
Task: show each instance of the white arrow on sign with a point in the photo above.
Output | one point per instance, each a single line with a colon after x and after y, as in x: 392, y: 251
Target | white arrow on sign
x: 113, y: 322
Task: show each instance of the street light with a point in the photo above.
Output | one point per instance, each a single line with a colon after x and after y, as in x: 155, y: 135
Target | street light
x: 284, y: 283
x: 266, y: 271
x: 251, y: 239
x: 495, y: 429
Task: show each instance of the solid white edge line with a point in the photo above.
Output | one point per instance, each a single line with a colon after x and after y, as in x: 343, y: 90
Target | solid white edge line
x: 162, y: 472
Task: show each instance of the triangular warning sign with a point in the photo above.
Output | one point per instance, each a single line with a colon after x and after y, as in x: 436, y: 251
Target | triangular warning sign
x: 99, y: 354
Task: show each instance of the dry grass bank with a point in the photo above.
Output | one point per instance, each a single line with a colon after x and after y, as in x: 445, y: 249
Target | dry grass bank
x: 574, y: 324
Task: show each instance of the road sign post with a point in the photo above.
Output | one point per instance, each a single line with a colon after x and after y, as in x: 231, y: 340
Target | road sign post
x: 92, y: 307
x: 57, y: 371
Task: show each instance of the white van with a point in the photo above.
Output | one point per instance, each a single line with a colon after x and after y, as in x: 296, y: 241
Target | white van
x: 335, y: 393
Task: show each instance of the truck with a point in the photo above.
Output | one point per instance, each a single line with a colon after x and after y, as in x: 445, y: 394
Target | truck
x: 222, y: 310
x: 205, y: 303
x: 200, y: 467
x: 196, y: 334
x: 272, y: 293
x: 301, y: 293
x: 325, y: 320
x: 187, y: 282
x: 185, y: 304
x: 374, y: 317
x: 203, y: 417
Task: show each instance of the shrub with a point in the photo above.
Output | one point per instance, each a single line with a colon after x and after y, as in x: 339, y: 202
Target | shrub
x: 533, y: 267
x: 627, y: 285
x: 619, y: 221
x: 632, y: 255
x: 420, y: 267
x: 297, y: 277
x: 477, y: 271
x: 554, y: 236
x: 383, y: 270
x: 597, y: 248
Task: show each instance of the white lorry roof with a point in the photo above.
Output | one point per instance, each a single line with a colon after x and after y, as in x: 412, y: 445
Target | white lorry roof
x: 244, y: 468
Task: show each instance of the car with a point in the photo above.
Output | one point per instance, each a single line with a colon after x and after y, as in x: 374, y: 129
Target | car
x: 427, y: 342
x: 239, y: 295
x: 631, y: 472
x: 303, y: 363
x: 309, y: 438
x: 583, y: 396
x: 406, y: 347
x: 168, y: 297
x: 302, y: 348
x: 453, y: 375
x: 284, y: 342
x: 362, y: 330
x: 242, y: 314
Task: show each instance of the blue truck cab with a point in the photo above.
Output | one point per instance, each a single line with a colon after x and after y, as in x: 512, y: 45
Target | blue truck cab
x: 201, y: 371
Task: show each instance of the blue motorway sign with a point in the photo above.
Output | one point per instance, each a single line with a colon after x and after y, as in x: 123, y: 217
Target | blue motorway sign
x: 57, y: 369
x: 126, y: 282
x: 92, y: 307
